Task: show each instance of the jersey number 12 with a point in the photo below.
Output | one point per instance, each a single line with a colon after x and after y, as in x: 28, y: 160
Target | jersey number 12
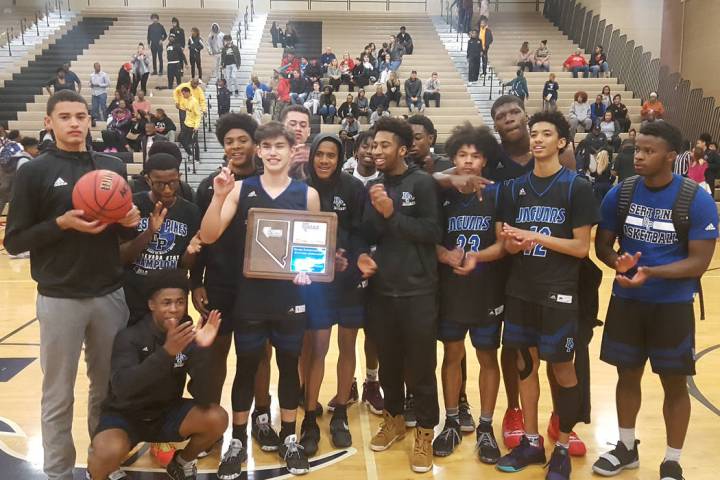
x: 538, y: 250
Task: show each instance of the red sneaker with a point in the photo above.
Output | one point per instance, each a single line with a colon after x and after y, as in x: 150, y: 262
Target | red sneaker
x: 577, y: 446
x: 163, y: 453
x: 513, y: 427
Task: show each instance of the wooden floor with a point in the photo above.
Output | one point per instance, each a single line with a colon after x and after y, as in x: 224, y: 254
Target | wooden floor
x: 20, y: 406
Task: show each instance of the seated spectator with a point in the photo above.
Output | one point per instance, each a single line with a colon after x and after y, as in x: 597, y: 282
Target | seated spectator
x: 124, y: 82
x: 282, y: 96
x: 348, y: 107
x: 60, y: 82
x: 413, y: 93
x: 141, y: 103
x: 164, y: 125
x: 347, y: 65
x: 371, y: 58
x: 393, y: 89
x: 650, y: 118
x: 611, y: 128
x: 542, y: 57
x: 379, y: 98
x: 597, y: 110
x: 576, y: 63
x: 334, y: 74
x: 326, y: 58
x: 118, y: 128
x: 312, y: 102
x: 624, y: 163
x: 364, y: 72
x: 363, y: 105
x: 652, y: 106
x: 525, y: 59
x: 384, y: 67
x: 254, y: 84
x: 299, y: 88
x: 598, y: 63
x: 602, y: 176
x: 303, y: 66
x: 620, y: 113
x: 697, y: 168
x: 432, y: 90
x: 328, y: 105
x: 587, y: 149
x: 405, y: 40
x: 579, y: 115
x: 113, y: 104
x: 379, y: 113
x: 150, y: 137
x: 550, y: 94
x: 518, y: 86
x: 606, y: 96
x: 289, y: 63
x: 632, y: 133
x: 137, y: 130
x: 314, y: 71
x: 349, y: 129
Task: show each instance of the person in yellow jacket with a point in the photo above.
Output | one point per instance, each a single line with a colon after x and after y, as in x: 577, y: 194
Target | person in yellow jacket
x: 197, y: 92
x: 193, y: 115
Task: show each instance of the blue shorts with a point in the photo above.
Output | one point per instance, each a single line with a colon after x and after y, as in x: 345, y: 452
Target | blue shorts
x: 486, y: 337
x: 285, y: 333
x: 165, y: 428
x: 324, y: 309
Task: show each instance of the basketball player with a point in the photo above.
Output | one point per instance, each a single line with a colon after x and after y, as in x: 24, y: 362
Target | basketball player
x: 341, y: 302
x: 651, y: 310
x: 264, y: 310
x: 76, y: 264
x: 150, y: 361
x: 468, y: 283
x: 548, y: 214
x: 402, y: 221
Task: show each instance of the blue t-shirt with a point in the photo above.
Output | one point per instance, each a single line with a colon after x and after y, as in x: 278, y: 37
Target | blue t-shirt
x: 649, y: 229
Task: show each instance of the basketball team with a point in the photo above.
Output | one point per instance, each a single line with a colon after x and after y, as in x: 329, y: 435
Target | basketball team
x: 491, y: 242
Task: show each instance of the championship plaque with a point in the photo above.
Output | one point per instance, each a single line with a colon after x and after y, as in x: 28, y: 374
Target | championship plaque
x: 282, y: 243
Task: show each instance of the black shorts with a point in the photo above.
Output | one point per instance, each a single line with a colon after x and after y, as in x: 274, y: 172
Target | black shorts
x: 552, y: 330
x: 165, y: 428
x: 663, y: 332
x: 484, y: 332
x: 285, y: 333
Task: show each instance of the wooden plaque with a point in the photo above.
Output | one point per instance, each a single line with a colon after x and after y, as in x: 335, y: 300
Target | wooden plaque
x: 282, y: 243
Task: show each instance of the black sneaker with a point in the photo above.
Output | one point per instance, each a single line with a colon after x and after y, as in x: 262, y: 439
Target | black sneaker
x: 339, y: 429
x: 263, y: 433
x: 486, y: 445
x: 116, y: 475
x: 409, y: 411
x: 467, y: 423
x: 309, y: 436
x: 617, y: 460
x: 670, y: 470
x: 559, y: 466
x: 522, y: 456
x: 294, y: 456
x: 449, y: 438
x: 301, y: 403
x: 180, y: 472
x: 231, y: 463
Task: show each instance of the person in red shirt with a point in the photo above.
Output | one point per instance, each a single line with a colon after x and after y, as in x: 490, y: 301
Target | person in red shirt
x: 654, y: 106
x: 576, y: 63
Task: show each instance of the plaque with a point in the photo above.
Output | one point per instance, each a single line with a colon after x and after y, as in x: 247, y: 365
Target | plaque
x: 282, y: 243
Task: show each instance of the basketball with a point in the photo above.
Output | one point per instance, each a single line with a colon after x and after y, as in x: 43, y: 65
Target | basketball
x: 103, y: 195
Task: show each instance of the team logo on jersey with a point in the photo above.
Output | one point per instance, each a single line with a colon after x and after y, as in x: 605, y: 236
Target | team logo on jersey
x: 252, y: 194
x: 339, y: 204
x: 180, y: 359
x: 446, y: 203
x: 408, y: 199
x: 59, y: 182
x: 569, y: 344
x: 522, y: 192
x: 710, y: 228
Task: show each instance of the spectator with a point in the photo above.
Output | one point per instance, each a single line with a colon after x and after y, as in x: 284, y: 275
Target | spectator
x: 579, y: 116
x: 698, y: 167
x: 712, y: 158
x: 396, y: 51
x: 525, y: 59
x: 193, y: 116
x: 164, y: 125
x: 620, y: 113
x: 349, y: 128
x: 365, y: 72
x: 291, y: 36
x: 611, y: 128
x: 250, y: 93
x: 223, y: 98
x: 576, y: 63
x: 176, y: 61
x: 405, y: 41
x: 597, y: 110
x: 71, y: 77
x: 383, y: 68
x: 421, y: 154
x: 652, y: 106
x: 328, y: 105
x: 379, y: 113
x: 312, y: 101
x: 542, y: 57
x: 289, y: 63
x: 363, y: 105
x: 432, y: 90
x: 299, y: 88
x: 274, y: 34
x: 3, y: 135
x: 348, y: 107
x: 215, y: 46
x: 156, y: 34
x: 474, y: 56
x: 195, y: 47
x: 327, y: 58
x: 178, y: 32
x: 197, y: 92
x: 303, y: 65
x: 486, y: 39
x: 124, y: 82
x: 550, y: 94
x: 137, y: 130
x: 598, y: 63
x: 150, y: 137
x: 281, y: 37
x: 632, y: 133
x: 115, y: 136
x: 378, y: 99
x: 141, y: 103
x: 602, y: 176
x: 113, y: 103
x: 334, y: 74
x: 60, y: 82
x: 650, y: 118
x: 230, y: 63
x: 347, y: 65
x: 393, y: 89
x: 140, y: 69
x: 99, y: 83
x: 606, y: 96
x: 413, y: 93
x: 367, y: 51
x: 587, y: 150
x: 314, y: 71
x: 10, y: 156
x: 518, y: 86
x: 624, y: 164
x: 282, y: 94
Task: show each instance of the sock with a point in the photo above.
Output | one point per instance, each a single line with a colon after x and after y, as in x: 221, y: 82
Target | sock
x: 672, y: 454
x: 533, y: 438
x: 486, y: 419
x: 627, y: 436
x: 239, y: 432
x: 453, y: 414
x: 566, y: 446
x: 371, y: 374
x: 180, y: 460
x: 287, y: 428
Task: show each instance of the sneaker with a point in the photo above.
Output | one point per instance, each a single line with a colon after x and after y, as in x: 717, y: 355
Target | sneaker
x: 372, y: 397
x: 577, y: 446
x: 206, y: 453
x: 309, y: 436
x: 449, y: 438
x: 339, y: 430
x: 421, y: 458
x: 294, y: 456
x: 116, y: 475
x: 513, y: 427
x: 163, y: 453
x: 524, y: 455
x: 486, y: 445
x: 263, y: 433
x: 559, y: 466
x: 391, y: 430
x: 231, y: 463
x: 467, y: 423
x: 616, y: 460
x: 353, y: 398
x: 670, y: 470
x: 19, y: 256
x: 181, y: 472
x: 409, y: 411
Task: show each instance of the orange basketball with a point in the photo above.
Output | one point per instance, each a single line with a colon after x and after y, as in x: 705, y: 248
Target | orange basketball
x: 103, y: 195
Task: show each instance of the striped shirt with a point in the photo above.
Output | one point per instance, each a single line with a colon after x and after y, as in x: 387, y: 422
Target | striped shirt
x: 682, y: 163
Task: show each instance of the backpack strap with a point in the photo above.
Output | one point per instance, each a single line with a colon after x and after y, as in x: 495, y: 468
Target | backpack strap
x: 681, y: 210
x: 627, y: 189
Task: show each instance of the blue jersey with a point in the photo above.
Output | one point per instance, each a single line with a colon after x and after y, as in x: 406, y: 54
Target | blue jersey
x: 649, y: 229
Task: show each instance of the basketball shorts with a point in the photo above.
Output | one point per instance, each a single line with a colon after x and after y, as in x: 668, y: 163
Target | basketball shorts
x: 484, y: 333
x: 284, y: 332
x: 325, y: 309
x: 552, y: 330
x: 636, y: 331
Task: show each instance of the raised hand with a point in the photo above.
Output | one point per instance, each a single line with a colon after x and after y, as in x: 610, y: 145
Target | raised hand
x: 381, y: 201
x: 157, y: 217
x: 469, y: 183
x: 223, y: 183
x: 626, y: 262
x: 178, y: 337
x: 205, y: 335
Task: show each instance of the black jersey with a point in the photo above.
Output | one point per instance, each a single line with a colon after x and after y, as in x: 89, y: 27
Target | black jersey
x: 260, y: 299
x: 551, y: 206
x: 470, y: 225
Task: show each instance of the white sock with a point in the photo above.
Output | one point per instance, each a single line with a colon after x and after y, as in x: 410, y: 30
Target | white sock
x: 534, y: 439
x: 371, y: 374
x: 672, y: 454
x: 566, y: 446
x: 627, y: 436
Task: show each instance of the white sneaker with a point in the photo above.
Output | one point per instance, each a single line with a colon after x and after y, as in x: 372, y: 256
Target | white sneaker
x: 19, y: 256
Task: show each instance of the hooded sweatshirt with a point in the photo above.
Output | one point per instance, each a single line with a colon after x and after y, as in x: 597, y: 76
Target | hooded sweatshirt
x: 215, y: 40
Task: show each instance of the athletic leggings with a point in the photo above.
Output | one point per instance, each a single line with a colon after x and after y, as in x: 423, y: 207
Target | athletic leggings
x: 244, y: 383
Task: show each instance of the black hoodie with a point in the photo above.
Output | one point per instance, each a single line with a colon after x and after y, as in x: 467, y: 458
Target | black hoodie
x: 405, y: 253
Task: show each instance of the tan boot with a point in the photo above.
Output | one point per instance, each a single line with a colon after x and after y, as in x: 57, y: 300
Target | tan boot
x: 421, y: 458
x: 391, y: 430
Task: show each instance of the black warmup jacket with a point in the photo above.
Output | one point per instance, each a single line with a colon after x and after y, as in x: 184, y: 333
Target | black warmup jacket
x: 156, y: 33
x: 64, y: 263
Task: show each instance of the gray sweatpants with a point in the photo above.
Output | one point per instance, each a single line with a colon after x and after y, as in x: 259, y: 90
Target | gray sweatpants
x: 65, y: 325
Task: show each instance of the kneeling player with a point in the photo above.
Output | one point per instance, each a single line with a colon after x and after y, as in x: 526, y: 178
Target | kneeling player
x: 468, y: 290
x: 149, y: 363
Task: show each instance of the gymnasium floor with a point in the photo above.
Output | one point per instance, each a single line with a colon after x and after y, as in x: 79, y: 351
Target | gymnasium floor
x: 20, y: 379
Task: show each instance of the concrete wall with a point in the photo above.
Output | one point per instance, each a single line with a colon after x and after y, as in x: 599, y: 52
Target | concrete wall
x: 700, y: 58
